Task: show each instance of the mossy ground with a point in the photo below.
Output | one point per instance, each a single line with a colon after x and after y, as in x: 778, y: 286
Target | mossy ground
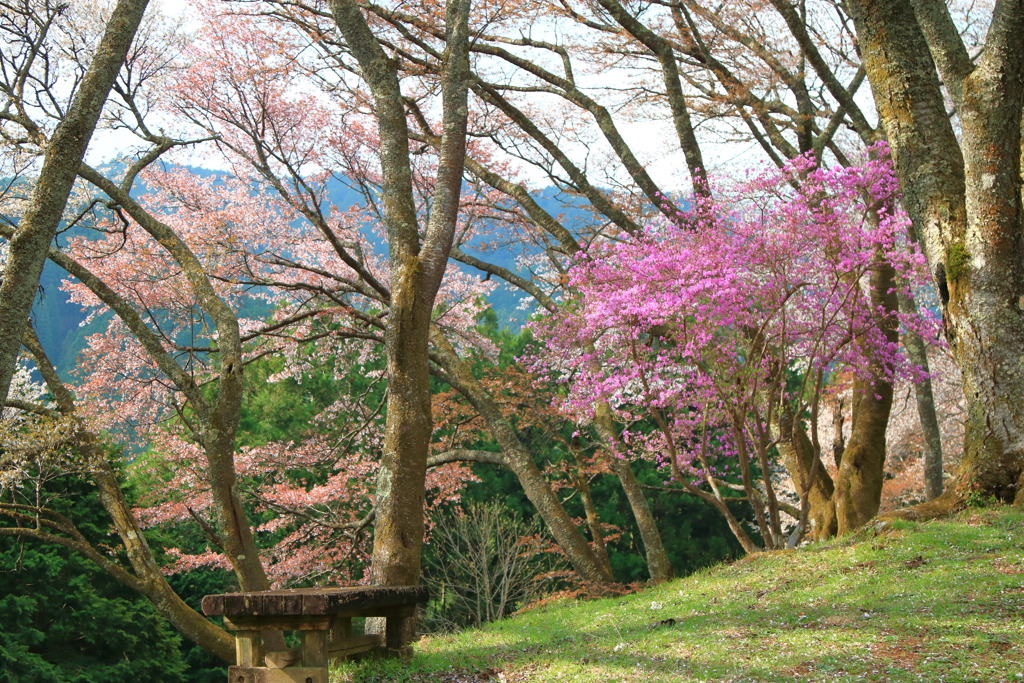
x: 937, y: 601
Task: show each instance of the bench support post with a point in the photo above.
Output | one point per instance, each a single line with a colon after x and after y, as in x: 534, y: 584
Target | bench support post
x: 399, y: 629
x: 249, y: 648
x: 314, y: 648
x: 341, y: 627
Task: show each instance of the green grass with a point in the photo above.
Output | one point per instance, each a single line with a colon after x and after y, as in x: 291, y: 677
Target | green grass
x: 936, y: 601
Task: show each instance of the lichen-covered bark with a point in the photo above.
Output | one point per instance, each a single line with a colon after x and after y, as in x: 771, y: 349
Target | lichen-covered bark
x: 417, y: 268
x: 964, y: 197
x: 64, y: 152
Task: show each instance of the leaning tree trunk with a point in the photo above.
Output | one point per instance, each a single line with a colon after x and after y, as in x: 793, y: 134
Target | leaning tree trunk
x: 149, y: 579
x: 64, y: 152
x: 219, y: 418
x: 579, y: 553
x: 582, y: 486
x: 965, y: 201
x: 658, y: 564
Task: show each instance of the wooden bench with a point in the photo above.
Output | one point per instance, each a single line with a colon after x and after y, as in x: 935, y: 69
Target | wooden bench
x: 323, y: 617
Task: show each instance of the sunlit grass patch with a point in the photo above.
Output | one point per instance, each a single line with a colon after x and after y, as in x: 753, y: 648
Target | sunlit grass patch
x: 937, y: 601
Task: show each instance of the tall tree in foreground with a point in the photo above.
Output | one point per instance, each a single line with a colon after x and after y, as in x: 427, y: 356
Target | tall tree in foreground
x: 964, y: 196
x: 26, y: 26
x: 417, y: 266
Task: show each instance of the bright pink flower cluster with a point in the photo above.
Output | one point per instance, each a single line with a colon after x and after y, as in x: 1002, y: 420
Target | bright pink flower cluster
x: 693, y: 318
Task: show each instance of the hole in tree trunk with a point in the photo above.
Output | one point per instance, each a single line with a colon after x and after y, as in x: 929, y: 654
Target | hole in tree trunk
x: 940, y: 280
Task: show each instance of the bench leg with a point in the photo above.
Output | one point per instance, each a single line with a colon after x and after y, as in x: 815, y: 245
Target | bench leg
x: 341, y: 627
x: 399, y: 630
x: 249, y: 648
x: 314, y: 648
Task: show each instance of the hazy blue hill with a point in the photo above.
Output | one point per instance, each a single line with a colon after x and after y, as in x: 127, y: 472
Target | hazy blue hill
x: 506, y: 299
x: 58, y: 322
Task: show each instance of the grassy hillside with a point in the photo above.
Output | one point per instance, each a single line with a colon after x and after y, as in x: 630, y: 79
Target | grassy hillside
x: 937, y: 601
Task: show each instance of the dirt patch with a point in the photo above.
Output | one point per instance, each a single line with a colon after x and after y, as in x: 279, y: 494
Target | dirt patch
x: 736, y: 633
x: 801, y: 669
x: 915, y: 562
x: 904, y: 653
x: 1008, y: 567
x: 839, y: 621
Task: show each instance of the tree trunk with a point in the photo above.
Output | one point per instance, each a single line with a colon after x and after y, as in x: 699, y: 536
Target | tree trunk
x: 219, y: 419
x: 797, y: 453
x: 64, y: 152
x: 579, y: 481
x: 861, y: 473
x: 964, y: 199
x: 567, y: 535
x: 186, y: 620
x: 152, y: 583
x: 658, y: 564
x: 918, y: 355
x: 218, y: 423
x: 416, y: 272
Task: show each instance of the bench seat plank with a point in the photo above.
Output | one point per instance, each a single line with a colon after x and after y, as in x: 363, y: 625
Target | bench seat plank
x: 312, y: 601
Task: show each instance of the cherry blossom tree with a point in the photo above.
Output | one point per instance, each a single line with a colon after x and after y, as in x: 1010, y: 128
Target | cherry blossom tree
x: 31, y: 66
x: 299, y: 158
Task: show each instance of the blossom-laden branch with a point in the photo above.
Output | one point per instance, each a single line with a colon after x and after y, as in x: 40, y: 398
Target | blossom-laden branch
x: 713, y: 332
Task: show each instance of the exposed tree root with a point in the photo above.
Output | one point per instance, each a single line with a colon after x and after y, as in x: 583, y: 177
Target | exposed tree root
x: 953, y: 500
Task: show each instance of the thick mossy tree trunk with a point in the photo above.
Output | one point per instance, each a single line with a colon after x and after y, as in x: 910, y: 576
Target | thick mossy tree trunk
x: 964, y: 197
x: 417, y: 268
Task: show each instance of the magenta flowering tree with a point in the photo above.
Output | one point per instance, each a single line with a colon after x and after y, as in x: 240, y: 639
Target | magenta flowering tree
x: 722, y: 328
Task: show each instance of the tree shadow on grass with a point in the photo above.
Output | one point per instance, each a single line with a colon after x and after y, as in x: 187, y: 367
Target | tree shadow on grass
x: 880, y: 614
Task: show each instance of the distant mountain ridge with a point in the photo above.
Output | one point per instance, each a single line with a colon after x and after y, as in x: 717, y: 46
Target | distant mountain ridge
x: 60, y: 323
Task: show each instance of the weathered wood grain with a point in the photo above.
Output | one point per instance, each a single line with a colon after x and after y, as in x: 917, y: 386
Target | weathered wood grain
x: 314, y: 648
x: 248, y: 648
x: 297, y: 674
x: 312, y: 601
x: 336, y: 649
x: 275, y: 623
